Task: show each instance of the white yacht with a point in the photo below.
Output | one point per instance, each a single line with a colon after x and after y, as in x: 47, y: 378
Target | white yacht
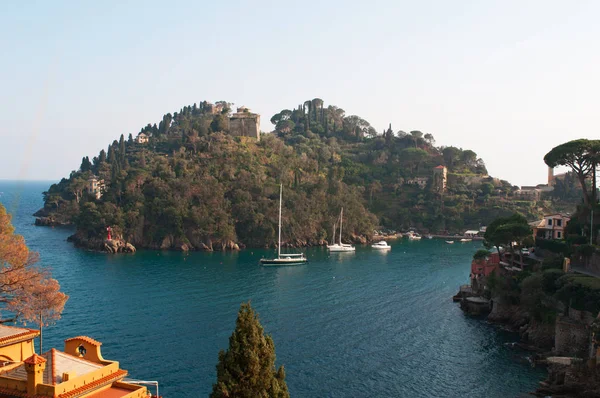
x: 286, y: 258
x: 381, y: 245
x: 341, y: 247
x: 413, y: 235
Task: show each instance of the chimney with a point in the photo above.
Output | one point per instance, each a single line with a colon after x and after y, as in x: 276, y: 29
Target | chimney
x: 68, y: 376
x: 34, y: 366
x: 550, y: 176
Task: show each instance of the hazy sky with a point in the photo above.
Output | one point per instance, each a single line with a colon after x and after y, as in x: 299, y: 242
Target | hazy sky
x: 507, y: 79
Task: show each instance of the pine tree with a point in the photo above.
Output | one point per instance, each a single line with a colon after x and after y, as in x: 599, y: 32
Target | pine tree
x: 247, y: 368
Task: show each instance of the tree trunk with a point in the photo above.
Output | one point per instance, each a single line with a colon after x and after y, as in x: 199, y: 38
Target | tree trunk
x: 586, y: 195
x: 41, y: 327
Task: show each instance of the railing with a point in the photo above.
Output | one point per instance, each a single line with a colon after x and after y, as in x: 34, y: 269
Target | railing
x: 144, y: 382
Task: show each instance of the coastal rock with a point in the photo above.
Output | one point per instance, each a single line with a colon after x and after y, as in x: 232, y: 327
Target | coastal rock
x: 48, y: 222
x: 167, y: 242
x: 129, y: 248
x: 202, y: 246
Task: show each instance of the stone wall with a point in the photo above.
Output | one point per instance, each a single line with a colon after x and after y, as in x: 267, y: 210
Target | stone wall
x: 572, y: 338
x: 245, y: 125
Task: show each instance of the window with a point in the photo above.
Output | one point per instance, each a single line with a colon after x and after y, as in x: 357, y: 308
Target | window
x: 559, y: 223
x: 549, y: 221
x: 557, y: 234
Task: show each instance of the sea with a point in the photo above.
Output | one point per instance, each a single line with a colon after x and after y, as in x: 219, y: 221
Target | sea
x: 363, y: 324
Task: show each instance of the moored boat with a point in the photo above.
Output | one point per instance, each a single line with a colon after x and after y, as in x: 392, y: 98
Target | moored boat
x: 340, y: 247
x: 381, y: 245
x: 286, y: 258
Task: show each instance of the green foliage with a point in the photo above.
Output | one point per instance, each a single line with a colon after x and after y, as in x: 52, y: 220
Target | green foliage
x: 505, y: 230
x: 582, y: 156
x: 247, y: 368
x: 554, y: 246
x: 481, y: 254
x: 193, y: 184
x: 580, y: 292
x: 535, y: 300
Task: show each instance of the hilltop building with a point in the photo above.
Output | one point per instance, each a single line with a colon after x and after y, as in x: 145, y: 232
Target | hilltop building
x: 440, y: 178
x: 142, y: 138
x: 95, y: 187
x: 78, y: 371
x: 214, y: 108
x: 244, y: 123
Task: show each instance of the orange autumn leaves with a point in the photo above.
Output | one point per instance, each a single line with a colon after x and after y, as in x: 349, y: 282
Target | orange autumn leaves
x: 27, y: 292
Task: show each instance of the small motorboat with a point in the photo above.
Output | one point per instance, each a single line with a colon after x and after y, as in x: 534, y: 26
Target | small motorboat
x: 381, y: 245
x: 465, y: 240
x: 449, y: 242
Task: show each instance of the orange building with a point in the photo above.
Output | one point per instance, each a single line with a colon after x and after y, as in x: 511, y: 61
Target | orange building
x: 78, y: 371
x: 551, y: 227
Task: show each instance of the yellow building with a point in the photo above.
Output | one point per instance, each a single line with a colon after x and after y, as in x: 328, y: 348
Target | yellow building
x: 78, y: 371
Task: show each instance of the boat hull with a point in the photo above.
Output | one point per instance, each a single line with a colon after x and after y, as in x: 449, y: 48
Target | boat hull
x: 340, y: 249
x: 282, y: 261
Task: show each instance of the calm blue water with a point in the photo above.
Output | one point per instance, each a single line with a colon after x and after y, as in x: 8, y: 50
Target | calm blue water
x: 367, y: 324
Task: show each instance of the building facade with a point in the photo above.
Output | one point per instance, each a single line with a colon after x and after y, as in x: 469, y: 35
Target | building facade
x: 551, y: 227
x: 78, y: 371
x: 95, y: 187
x: 244, y: 123
x: 440, y: 178
x: 142, y: 138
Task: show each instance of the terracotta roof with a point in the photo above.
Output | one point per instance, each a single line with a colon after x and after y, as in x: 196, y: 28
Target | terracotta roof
x: 9, y: 334
x: 86, y: 339
x: 439, y: 167
x: 35, y: 359
x: 94, y: 384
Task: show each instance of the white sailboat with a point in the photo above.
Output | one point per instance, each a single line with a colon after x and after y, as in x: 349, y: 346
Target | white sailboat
x: 341, y: 247
x: 285, y: 258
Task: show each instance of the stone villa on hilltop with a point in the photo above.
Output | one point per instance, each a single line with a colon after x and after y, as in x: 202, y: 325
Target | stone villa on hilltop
x: 78, y: 371
x: 243, y: 123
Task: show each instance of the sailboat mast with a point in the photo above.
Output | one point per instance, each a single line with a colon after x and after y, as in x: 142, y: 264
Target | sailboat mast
x: 279, y: 239
x: 341, y: 220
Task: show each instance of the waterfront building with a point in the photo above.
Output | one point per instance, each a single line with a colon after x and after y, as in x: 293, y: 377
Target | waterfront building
x: 550, y: 227
x: 78, y: 371
x: 482, y: 268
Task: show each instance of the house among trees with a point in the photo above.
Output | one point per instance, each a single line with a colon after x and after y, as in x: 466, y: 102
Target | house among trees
x: 142, y: 138
x: 95, y: 187
x: 78, y: 371
x: 421, y: 182
x: 244, y: 123
x: 528, y: 193
x: 551, y: 227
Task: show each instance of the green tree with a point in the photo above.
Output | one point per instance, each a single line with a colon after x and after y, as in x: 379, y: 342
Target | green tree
x: 86, y: 165
x: 505, y: 231
x: 582, y: 156
x: 247, y: 368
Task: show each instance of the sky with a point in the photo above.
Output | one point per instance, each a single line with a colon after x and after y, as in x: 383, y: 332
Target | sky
x: 507, y: 79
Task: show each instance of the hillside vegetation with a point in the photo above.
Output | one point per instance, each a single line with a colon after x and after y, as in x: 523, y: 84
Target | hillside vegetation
x: 194, y: 186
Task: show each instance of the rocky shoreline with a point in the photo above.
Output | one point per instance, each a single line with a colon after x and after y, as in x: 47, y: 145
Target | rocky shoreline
x: 120, y: 245
x: 566, y: 347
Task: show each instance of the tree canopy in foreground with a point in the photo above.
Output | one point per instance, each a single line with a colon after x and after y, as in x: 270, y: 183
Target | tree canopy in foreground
x: 247, y: 368
x: 27, y: 293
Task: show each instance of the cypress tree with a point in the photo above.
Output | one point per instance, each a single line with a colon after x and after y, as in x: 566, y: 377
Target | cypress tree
x: 247, y: 368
